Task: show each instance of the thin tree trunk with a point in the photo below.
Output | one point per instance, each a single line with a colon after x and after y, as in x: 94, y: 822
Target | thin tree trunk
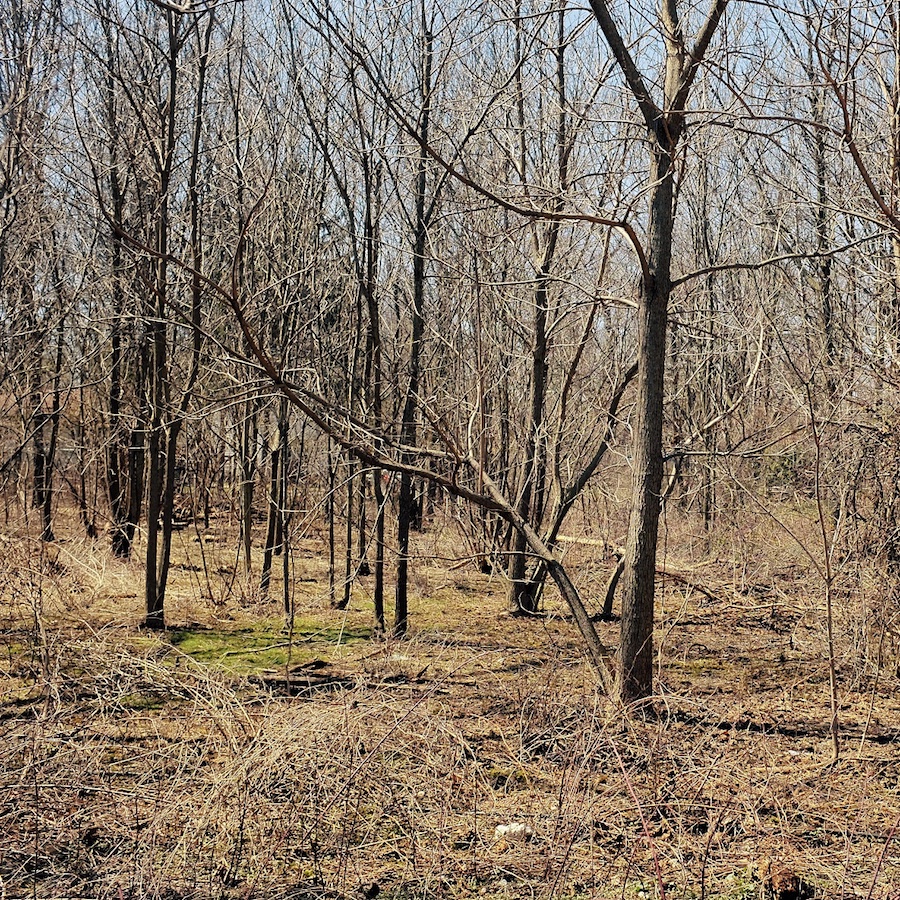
x: 274, y: 516
x: 378, y: 591
x: 330, y: 513
x: 285, y: 458
x: 168, y: 508
x: 56, y: 408
x: 248, y: 473
x: 362, y: 566
x: 285, y: 541
x: 369, y: 286
x: 409, y: 428
x: 116, y: 455
x: 344, y: 602
x: 120, y: 467
x: 154, y: 617
x: 137, y: 468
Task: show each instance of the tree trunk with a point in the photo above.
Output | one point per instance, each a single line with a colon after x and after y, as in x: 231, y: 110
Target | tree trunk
x: 284, y: 541
x: 378, y: 591
x: 523, y: 599
x: 124, y: 512
x: 155, y: 617
x: 137, y: 466
x: 362, y: 566
x: 115, y: 454
x: 344, y: 602
x: 274, y: 516
x: 56, y: 409
x: 665, y: 124
x: 636, y: 647
x: 329, y: 513
x: 409, y: 429
x: 248, y: 474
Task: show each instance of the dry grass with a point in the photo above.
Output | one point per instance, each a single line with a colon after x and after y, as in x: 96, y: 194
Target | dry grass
x: 130, y: 769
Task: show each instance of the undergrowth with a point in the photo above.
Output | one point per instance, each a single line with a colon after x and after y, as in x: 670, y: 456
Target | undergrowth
x: 183, y: 765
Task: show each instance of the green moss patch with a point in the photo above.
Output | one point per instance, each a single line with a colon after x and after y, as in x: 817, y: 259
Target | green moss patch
x: 141, y: 701
x: 244, y: 651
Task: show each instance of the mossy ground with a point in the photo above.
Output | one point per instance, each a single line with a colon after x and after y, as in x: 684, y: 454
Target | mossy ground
x: 269, y: 644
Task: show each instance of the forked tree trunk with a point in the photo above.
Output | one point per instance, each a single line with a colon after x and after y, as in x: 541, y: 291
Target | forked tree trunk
x: 524, y: 591
x: 167, y: 418
x: 158, y: 444
x: 665, y: 124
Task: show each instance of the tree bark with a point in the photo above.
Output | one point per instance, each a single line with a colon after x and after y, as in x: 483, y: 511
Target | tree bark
x: 409, y: 427
x: 636, y: 648
x: 273, y: 517
x: 55, y: 412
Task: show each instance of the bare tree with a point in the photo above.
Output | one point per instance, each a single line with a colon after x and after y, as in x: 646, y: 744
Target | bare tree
x: 664, y: 119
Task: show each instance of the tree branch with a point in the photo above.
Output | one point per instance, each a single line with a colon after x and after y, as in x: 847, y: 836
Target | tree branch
x: 774, y: 260
x: 701, y: 45
x: 650, y: 111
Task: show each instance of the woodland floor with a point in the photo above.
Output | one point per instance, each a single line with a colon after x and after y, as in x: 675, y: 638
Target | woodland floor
x: 229, y: 758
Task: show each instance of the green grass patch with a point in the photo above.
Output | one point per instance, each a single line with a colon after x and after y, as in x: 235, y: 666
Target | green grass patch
x: 142, y: 702
x: 700, y: 666
x: 247, y: 650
